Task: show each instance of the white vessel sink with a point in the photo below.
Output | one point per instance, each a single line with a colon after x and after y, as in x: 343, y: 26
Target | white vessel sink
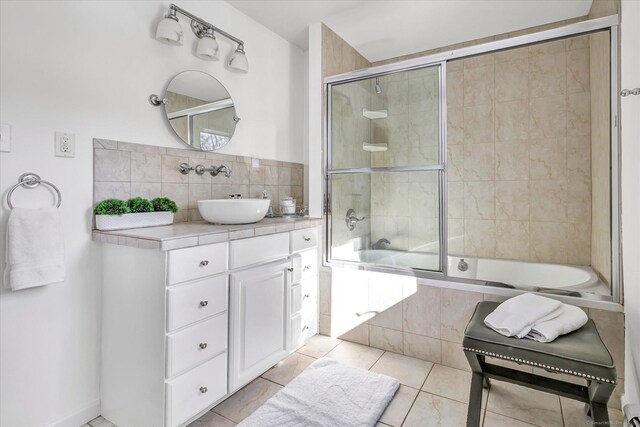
x: 233, y: 211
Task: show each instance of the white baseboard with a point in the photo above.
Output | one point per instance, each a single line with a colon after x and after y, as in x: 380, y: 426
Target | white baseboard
x: 80, y: 417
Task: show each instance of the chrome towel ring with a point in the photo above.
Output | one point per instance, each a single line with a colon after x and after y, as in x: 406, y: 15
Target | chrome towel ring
x: 31, y: 180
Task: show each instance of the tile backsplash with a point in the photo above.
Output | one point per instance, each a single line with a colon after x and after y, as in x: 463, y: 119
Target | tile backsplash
x: 125, y: 170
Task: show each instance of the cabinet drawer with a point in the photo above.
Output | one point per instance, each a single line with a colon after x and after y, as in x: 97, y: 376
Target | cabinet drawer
x: 199, y: 261
x: 191, y: 346
x: 194, y: 391
x: 305, y: 265
x: 309, y: 291
x: 302, y: 327
x: 296, y: 298
x: 303, y: 295
x: 253, y: 250
x: 304, y: 239
x: 196, y: 301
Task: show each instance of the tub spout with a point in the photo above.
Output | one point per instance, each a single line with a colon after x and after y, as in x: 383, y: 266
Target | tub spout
x: 379, y: 243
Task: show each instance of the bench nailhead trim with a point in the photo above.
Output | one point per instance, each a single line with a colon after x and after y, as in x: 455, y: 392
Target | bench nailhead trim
x: 514, y: 359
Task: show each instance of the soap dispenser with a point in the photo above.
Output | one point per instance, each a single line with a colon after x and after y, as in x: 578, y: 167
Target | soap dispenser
x: 270, y: 210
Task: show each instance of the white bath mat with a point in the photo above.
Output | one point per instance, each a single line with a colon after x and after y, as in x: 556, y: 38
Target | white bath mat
x: 329, y: 394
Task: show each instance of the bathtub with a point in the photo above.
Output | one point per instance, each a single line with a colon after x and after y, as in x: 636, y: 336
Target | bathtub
x: 499, y: 272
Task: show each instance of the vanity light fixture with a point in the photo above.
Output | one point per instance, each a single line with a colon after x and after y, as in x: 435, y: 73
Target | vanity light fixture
x: 170, y: 32
x: 238, y: 61
x: 207, y: 48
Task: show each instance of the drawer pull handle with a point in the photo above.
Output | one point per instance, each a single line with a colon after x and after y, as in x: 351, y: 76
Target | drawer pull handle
x: 306, y: 239
x: 204, y: 303
x: 307, y: 267
x: 203, y: 390
x: 204, y: 263
x: 305, y: 328
x: 290, y: 270
x: 305, y: 296
x: 202, y: 345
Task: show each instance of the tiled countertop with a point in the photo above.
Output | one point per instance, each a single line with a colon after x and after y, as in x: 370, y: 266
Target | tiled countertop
x: 184, y: 235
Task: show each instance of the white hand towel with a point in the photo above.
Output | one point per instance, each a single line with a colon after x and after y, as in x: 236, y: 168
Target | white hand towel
x: 570, y: 319
x: 516, y: 316
x: 35, y: 248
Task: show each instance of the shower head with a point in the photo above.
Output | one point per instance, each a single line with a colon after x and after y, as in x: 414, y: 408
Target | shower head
x: 378, y: 87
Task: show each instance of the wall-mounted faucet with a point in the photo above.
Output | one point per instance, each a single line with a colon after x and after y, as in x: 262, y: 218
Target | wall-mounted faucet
x: 214, y: 170
x: 379, y: 243
x: 185, y: 168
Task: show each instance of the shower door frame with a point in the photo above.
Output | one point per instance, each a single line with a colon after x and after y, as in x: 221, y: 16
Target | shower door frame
x: 610, y: 23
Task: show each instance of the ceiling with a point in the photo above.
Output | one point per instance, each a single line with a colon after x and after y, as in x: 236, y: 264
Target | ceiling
x: 382, y: 29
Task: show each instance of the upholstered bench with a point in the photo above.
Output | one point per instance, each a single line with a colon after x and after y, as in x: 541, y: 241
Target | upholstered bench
x: 581, y: 354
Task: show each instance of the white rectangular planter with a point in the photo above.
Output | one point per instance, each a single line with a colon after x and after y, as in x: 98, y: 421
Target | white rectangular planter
x: 133, y: 220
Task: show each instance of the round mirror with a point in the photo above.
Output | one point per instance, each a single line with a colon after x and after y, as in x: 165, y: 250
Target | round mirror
x: 200, y: 110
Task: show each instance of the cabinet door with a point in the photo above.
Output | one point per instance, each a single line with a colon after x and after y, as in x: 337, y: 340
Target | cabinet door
x: 259, y: 313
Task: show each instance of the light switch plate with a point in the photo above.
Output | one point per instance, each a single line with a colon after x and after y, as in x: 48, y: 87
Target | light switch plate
x: 65, y: 144
x: 255, y: 162
x: 5, y: 138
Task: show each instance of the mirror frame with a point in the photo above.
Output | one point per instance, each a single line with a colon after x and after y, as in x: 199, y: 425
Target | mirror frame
x: 192, y: 112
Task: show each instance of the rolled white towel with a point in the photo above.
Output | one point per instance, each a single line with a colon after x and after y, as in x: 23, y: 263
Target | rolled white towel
x: 570, y: 319
x: 516, y: 316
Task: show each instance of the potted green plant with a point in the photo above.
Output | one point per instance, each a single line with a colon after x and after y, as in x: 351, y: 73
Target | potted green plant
x: 116, y: 214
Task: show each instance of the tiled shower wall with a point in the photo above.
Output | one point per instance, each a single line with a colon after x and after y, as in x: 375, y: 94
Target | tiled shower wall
x: 125, y: 170
x: 599, y: 77
x: 519, y: 153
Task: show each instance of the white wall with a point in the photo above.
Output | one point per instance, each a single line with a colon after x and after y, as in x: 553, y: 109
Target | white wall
x: 630, y: 111
x: 88, y: 67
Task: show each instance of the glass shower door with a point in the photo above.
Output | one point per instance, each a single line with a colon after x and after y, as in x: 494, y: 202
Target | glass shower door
x: 385, y: 170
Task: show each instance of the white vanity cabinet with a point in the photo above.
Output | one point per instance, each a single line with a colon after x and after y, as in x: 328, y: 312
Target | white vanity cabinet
x: 259, y: 321
x: 185, y: 328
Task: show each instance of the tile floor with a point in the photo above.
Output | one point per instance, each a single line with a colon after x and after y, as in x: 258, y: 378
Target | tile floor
x: 430, y: 394
x: 99, y: 422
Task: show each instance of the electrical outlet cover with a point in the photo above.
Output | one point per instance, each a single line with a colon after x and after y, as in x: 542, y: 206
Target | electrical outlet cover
x: 65, y: 144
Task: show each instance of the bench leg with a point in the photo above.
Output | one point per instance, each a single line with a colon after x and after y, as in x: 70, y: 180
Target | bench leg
x: 475, y: 400
x: 487, y: 383
x: 475, y: 393
x: 599, y: 394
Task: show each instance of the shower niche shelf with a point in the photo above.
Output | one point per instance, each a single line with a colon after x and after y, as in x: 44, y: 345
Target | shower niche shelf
x: 381, y: 146
x: 374, y: 114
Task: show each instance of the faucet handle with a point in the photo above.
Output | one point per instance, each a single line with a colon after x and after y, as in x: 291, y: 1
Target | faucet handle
x: 352, y: 219
x: 184, y: 168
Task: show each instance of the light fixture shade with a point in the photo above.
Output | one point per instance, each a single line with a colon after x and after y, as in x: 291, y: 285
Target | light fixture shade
x: 207, y: 48
x: 169, y: 31
x: 238, y: 61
